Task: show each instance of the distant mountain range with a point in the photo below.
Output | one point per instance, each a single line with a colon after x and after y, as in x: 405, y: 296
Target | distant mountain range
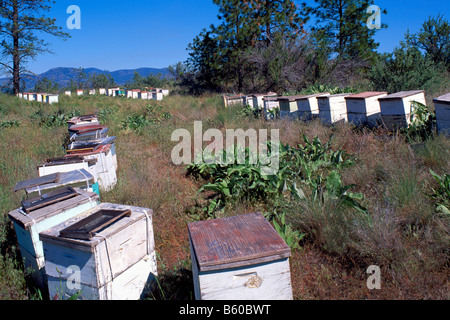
x: 62, y: 76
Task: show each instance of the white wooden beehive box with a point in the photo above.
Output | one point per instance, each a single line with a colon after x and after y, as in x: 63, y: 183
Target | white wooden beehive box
x: 364, y: 108
x: 27, y: 226
x: 288, y: 107
x: 308, y: 106
x: 396, y: 108
x: 105, y: 159
x: 115, y: 260
x: 333, y: 108
x: 442, y: 109
x: 239, y: 258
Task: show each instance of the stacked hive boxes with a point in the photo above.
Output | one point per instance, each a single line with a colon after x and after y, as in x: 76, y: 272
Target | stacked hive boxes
x: 110, y: 246
x: 73, y: 244
x: 90, y: 142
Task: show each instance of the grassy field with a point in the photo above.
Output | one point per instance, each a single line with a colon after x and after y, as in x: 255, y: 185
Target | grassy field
x: 401, y: 230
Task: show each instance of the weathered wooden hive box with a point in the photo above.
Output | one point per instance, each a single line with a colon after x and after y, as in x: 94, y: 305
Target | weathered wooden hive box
x: 333, y: 108
x: 32, y: 96
x: 234, y: 100
x: 157, y: 96
x: 396, y: 108
x: 84, y: 120
x: 75, y: 179
x: 39, y: 97
x: 68, y: 164
x: 112, y: 246
x: 239, y: 258
x: 256, y: 100
x: 52, y: 98
x: 288, y: 107
x: 144, y: 95
x: 39, y: 214
x: 308, y: 106
x: 442, y: 109
x: 364, y: 108
x: 270, y: 104
x: 135, y: 93
x: 105, y: 159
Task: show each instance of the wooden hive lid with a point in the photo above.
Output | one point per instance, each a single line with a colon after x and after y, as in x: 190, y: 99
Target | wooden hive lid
x: 236, y: 242
x: 137, y: 214
x: 402, y: 94
x: 443, y: 99
x: 65, y: 178
x: 365, y: 95
x: 315, y: 95
x: 36, y: 216
x: 291, y: 98
x: 86, y: 128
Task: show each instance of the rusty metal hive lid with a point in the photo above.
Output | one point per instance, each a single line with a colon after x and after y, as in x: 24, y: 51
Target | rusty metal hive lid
x: 236, y: 242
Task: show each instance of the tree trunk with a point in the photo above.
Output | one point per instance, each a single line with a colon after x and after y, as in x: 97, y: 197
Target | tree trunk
x: 16, y: 52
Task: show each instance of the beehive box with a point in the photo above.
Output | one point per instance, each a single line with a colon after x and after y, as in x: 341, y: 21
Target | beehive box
x: 239, y: 258
x: 364, y: 108
x: 442, y: 109
x: 333, y: 108
x: 396, y: 108
x: 135, y: 93
x: 75, y: 179
x: 116, y: 258
x: 157, y: 96
x: 144, y: 95
x: 84, y: 120
x: 105, y: 162
x: 102, y: 91
x: 28, y: 225
x: 68, y: 164
x: 52, y: 98
x: 32, y: 96
x: 308, y: 106
x: 288, y: 107
x: 68, y: 93
x: 256, y: 100
x: 80, y: 92
x: 270, y: 103
x: 234, y: 100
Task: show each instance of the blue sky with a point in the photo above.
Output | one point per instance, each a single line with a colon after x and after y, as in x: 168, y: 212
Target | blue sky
x: 148, y: 33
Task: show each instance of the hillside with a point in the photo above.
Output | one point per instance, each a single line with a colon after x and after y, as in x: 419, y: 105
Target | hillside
x: 63, y: 75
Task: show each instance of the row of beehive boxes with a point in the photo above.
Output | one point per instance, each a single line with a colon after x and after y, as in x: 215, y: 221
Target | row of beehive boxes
x: 152, y: 94
x: 91, y: 149
x: 367, y: 108
x: 39, y: 97
x: 71, y: 242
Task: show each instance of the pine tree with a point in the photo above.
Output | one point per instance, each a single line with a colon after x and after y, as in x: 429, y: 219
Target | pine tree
x: 20, y: 21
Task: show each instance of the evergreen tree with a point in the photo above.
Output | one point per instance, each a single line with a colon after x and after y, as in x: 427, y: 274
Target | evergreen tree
x: 434, y: 39
x: 20, y: 21
x: 342, y: 36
